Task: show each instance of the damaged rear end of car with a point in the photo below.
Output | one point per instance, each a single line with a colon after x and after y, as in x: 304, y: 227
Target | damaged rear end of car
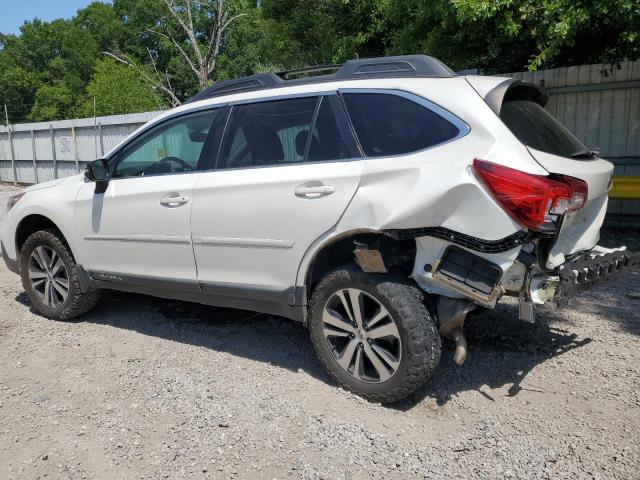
x: 511, y: 208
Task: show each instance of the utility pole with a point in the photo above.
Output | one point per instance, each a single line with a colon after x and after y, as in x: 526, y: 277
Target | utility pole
x: 95, y: 130
x: 13, y: 154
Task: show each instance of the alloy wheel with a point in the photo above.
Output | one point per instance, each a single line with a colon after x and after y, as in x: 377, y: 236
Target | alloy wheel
x: 362, y: 335
x: 48, y: 276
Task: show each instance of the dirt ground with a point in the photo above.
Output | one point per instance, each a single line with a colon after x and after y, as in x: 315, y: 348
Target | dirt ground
x: 149, y: 388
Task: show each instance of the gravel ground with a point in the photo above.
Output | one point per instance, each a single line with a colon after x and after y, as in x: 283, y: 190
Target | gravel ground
x: 149, y: 388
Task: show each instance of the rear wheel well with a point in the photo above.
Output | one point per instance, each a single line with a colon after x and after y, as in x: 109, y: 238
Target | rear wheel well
x: 30, y: 225
x: 398, y: 255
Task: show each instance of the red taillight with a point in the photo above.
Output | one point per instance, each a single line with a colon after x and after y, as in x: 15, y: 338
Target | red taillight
x: 534, y: 201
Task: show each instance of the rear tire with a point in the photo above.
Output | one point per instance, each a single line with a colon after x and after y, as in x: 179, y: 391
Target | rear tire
x: 50, y: 277
x: 385, y: 352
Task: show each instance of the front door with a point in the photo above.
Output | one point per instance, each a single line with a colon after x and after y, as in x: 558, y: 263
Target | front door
x: 138, y: 230
x: 284, y: 177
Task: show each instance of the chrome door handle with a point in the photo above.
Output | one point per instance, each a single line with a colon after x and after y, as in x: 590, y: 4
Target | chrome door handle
x: 173, y: 200
x: 314, y: 191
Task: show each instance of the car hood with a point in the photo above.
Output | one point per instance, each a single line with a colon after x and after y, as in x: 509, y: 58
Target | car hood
x: 53, y: 183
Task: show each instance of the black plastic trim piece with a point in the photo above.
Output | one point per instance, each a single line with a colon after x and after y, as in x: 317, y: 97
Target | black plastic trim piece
x: 345, y: 127
x: 245, y: 297
x: 469, y: 269
x: 145, y: 283
x: 409, y: 66
x: 249, y: 292
x: 208, y: 159
x: 472, y: 243
x: 12, y: 265
x: 83, y: 279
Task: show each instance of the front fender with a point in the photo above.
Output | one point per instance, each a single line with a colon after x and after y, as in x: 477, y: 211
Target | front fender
x: 56, y: 203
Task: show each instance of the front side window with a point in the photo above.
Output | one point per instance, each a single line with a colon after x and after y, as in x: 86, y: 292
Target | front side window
x: 172, y: 147
x: 388, y: 124
x: 267, y: 133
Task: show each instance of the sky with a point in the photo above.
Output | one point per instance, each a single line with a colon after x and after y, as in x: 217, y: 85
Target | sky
x: 13, y: 13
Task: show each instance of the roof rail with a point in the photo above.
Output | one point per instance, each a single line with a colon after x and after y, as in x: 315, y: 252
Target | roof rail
x: 401, y: 66
x: 383, y: 67
x: 468, y: 71
x: 237, y: 85
x: 314, y: 69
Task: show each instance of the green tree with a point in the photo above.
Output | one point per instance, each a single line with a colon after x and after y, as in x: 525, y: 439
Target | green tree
x: 192, y: 31
x: 118, y: 89
x: 309, y: 32
x: 56, y: 60
x: 511, y: 35
x: 53, y: 102
x: 178, y: 47
x: 102, y: 22
x: 18, y: 88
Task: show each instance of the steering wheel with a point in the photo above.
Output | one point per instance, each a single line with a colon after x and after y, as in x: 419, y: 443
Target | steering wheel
x: 175, y: 160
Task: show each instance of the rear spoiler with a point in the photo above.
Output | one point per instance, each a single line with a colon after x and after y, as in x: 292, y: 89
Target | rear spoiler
x: 494, y: 90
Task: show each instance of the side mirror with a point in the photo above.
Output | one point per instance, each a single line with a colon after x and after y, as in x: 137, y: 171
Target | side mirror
x: 98, y: 172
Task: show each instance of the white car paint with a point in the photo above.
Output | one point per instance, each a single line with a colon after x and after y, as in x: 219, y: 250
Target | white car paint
x: 127, y: 230
x: 247, y: 227
x: 251, y: 229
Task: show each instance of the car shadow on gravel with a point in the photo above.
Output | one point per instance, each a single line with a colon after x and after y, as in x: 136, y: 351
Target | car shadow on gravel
x: 502, y: 350
x: 263, y: 338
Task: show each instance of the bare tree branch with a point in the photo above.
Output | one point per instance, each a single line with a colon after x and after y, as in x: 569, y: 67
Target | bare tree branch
x: 180, y: 49
x: 157, y: 82
x: 191, y: 35
x: 184, y: 17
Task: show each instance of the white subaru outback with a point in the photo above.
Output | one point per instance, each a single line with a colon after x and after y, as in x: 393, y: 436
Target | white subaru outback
x: 380, y: 204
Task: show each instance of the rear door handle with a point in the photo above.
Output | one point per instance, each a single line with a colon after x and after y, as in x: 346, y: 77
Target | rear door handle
x: 173, y: 200
x: 315, y: 191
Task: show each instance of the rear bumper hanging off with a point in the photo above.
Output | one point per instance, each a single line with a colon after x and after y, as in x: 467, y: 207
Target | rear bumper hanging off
x: 586, y: 271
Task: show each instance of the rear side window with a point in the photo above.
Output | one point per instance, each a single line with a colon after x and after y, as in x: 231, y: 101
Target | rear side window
x: 388, y: 124
x: 267, y: 133
x: 282, y: 132
x: 537, y: 128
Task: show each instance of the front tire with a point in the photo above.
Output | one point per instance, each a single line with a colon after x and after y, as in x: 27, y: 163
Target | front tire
x: 373, y: 334
x: 50, y: 277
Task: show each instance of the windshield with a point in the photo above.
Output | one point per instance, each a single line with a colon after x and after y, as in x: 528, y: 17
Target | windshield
x: 537, y: 128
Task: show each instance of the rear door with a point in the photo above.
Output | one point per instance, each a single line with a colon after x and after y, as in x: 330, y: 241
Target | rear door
x: 560, y: 152
x: 285, y: 174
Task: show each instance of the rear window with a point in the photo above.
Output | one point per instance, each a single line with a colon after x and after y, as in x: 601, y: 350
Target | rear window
x: 388, y: 124
x: 537, y: 128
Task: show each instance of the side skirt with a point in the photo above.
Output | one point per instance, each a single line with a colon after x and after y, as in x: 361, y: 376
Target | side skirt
x: 272, y: 302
